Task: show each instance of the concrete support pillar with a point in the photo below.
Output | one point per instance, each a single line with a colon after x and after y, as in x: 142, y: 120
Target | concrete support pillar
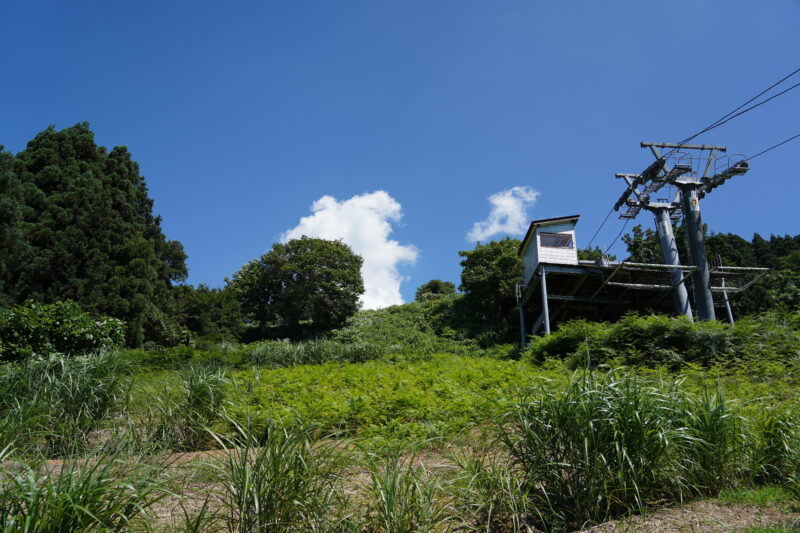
x: 545, y: 306
x: 669, y: 250
x: 522, y: 324
x: 701, y: 277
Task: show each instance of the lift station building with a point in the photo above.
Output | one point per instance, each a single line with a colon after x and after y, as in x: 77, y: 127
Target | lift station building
x: 557, y: 286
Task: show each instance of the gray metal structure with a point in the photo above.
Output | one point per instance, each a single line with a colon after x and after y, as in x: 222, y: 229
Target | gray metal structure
x: 692, y: 186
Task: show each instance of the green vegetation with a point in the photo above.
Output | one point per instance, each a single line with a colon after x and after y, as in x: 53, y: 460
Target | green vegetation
x: 672, y: 342
x: 374, y: 429
x: 307, y: 285
x: 41, y: 329
x: 412, y: 418
x: 81, y: 227
x: 434, y: 289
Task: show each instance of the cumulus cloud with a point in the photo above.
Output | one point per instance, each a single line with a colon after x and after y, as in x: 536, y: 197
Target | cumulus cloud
x: 509, y: 214
x: 364, y: 223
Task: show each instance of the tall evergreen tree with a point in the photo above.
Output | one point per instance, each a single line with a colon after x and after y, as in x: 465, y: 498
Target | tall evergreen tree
x: 90, y: 235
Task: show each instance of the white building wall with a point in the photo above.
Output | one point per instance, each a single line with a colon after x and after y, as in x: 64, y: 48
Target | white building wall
x: 536, y: 253
x: 530, y: 259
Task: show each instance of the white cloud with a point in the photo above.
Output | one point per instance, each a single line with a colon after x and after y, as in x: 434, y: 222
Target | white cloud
x: 363, y: 222
x: 509, y: 214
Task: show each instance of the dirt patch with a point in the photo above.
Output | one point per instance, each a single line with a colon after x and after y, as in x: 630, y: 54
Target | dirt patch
x: 701, y: 517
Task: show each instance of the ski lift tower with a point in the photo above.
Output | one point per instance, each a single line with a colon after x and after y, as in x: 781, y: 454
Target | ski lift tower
x: 677, y: 169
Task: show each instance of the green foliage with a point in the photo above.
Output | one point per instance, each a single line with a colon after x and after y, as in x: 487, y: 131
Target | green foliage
x: 276, y: 354
x: 489, y: 276
x: 403, y: 500
x: 107, y: 493
x: 659, y: 340
x: 85, y: 231
x: 62, y: 327
x: 597, y: 449
x: 207, y: 313
x: 594, y: 254
x: 382, y: 400
x: 307, y: 285
x: 654, y: 340
x: 276, y: 479
x: 185, y: 416
x: 56, y: 402
x: 434, y: 289
x: 423, y: 327
x: 490, y: 494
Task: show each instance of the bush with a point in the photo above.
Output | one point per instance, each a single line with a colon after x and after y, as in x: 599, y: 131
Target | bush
x: 654, y: 340
x: 62, y: 327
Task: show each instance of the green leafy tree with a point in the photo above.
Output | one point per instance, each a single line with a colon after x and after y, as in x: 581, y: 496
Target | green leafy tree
x: 434, y: 289
x: 10, y: 213
x: 306, y: 285
x: 89, y: 234
x: 209, y: 313
x: 594, y: 254
x: 489, y: 276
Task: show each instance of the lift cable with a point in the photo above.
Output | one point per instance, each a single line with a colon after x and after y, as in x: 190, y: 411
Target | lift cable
x: 735, y: 112
x: 598, y: 229
x: 719, y: 122
x: 625, y: 225
x: 773, y: 147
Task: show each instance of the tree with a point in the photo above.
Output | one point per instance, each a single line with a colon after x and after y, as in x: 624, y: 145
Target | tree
x: 594, y: 254
x: 434, y: 289
x: 10, y: 213
x: 306, y: 285
x: 489, y: 276
x: 208, y: 313
x: 88, y: 234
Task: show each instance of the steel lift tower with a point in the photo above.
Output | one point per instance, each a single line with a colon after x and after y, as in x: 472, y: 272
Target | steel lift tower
x: 691, y: 186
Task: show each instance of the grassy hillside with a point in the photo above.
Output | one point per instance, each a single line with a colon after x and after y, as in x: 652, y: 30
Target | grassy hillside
x: 396, y: 423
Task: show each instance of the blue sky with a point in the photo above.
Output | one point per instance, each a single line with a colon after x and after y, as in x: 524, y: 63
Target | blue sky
x: 242, y: 115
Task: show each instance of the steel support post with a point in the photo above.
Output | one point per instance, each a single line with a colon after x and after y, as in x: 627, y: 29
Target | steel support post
x: 545, y: 307
x: 669, y: 250
x: 694, y: 227
x: 727, y: 302
x: 521, y: 323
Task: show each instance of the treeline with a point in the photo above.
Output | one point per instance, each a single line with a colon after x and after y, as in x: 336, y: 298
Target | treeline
x: 781, y: 254
x: 77, y: 223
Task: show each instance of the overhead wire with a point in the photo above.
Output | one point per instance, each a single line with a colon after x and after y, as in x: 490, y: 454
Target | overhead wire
x: 735, y: 112
x: 625, y: 225
x: 598, y: 229
x: 773, y: 147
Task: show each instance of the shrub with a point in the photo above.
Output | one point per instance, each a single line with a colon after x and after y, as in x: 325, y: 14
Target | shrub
x: 654, y: 340
x: 61, y: 327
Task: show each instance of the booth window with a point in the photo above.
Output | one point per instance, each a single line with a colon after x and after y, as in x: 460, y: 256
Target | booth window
x: 556, y: 240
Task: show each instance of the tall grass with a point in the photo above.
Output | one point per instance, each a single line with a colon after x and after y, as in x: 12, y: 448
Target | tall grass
x: 277, y: 479
x: 491, y: 495
x: 403, y: 498
x: 280, y: 354
x: 599, y: 448
x: 104, y: 493
x: 58, y: 401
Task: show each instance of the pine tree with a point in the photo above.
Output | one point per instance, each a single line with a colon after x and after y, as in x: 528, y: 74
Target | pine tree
x: 89, y: 234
